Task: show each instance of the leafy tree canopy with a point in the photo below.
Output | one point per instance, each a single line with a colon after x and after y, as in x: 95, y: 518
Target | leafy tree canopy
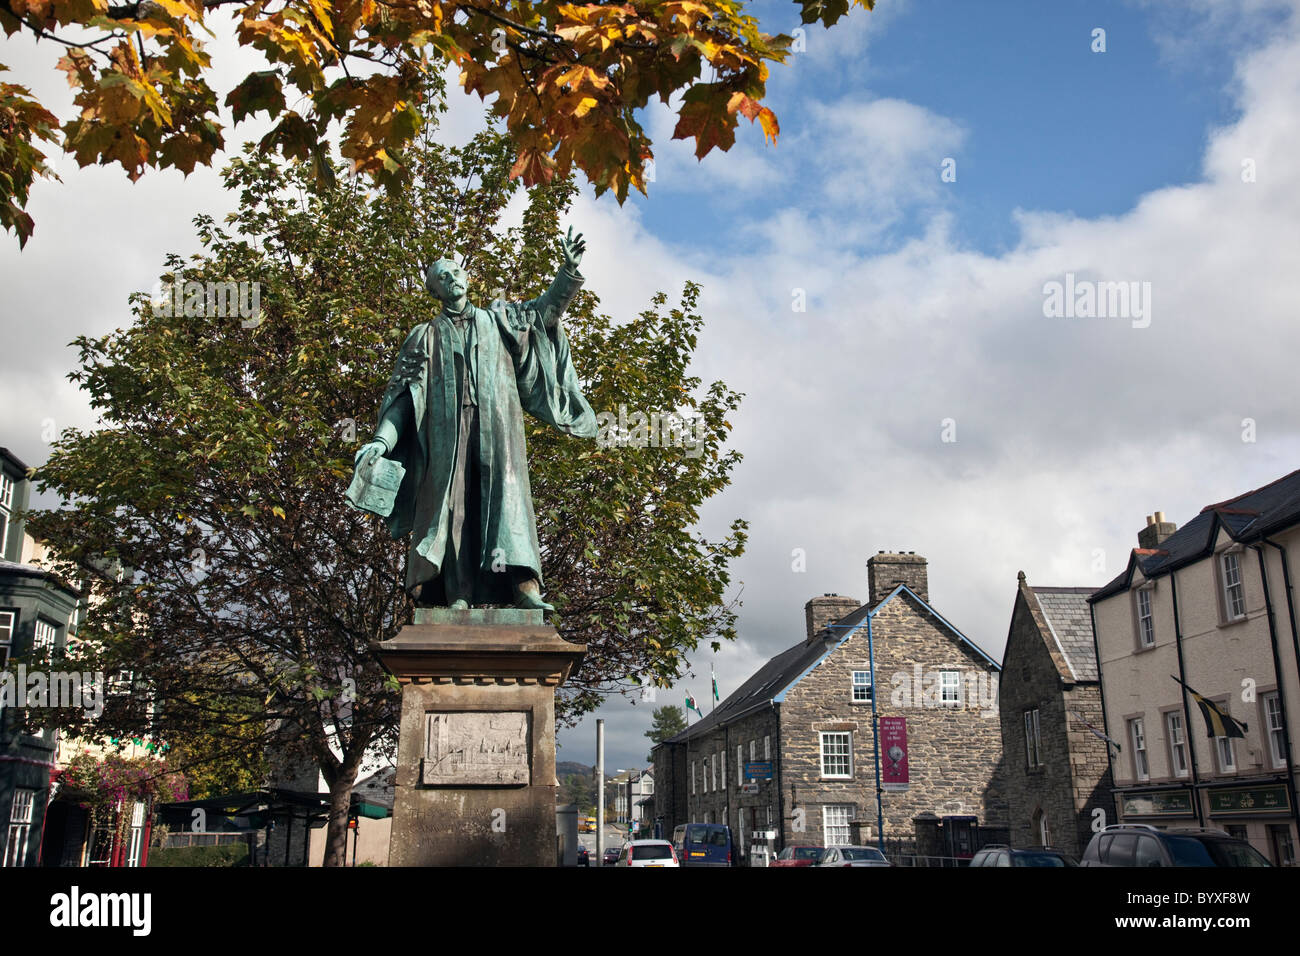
x: 568, y: 78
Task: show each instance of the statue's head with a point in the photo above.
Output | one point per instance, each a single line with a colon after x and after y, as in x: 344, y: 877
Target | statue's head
x: 447, y: 281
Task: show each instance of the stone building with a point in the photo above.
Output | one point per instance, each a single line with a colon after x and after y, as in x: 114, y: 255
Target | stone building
x: 1057, y: 771
x: 1212, y: 605
x: 793, y: 751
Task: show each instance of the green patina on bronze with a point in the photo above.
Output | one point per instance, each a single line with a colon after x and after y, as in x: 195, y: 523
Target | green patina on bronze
x: 472, y: 372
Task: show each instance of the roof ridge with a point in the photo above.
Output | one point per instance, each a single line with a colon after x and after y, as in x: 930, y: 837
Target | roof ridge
x: 1246, y: 494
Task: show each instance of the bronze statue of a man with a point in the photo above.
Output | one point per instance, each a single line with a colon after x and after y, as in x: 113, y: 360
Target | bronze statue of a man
x: 452, y: 419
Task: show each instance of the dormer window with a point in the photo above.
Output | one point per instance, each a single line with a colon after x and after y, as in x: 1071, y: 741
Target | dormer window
x: 1234, y: 594
x: 1146, y: 623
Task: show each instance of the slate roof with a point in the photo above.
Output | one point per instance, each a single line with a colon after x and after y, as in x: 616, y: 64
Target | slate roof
x: 377, y: 788
x: 1067, y: 614
x: 784, y: 670
x: 1247, y: 517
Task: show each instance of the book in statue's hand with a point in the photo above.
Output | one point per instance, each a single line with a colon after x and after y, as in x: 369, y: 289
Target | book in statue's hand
x: 374, y: 485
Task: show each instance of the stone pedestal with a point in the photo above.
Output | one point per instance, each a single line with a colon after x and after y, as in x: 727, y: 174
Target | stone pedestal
x: 475, y: 779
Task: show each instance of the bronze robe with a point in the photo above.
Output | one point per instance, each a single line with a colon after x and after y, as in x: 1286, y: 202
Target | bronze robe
x: 522, y: 362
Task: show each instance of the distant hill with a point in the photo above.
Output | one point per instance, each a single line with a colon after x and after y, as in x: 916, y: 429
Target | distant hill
x: 565, y: 767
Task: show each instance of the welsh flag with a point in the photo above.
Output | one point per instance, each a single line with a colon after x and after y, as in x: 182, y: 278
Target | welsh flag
x: 691, y: 705
x: 716, y: 698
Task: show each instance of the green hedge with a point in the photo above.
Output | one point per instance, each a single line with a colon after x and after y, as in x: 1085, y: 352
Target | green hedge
x: 230, y: 854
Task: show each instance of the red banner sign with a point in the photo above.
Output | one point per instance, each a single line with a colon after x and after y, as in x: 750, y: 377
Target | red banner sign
x: 893, y: 753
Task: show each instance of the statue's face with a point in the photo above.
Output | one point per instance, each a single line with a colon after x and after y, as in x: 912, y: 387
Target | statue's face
x: 448, y: 282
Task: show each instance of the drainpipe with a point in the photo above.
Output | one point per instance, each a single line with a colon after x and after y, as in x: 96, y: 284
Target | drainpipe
x: 1290, y: 602
x: 1187, y: 714
x: 1101, y: 688
x: 1281, y: 691
x: 779, y: 781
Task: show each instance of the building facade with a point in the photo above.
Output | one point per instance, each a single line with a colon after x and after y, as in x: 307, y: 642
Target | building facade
x: 633, y: 792
x: 1057, y: 772
x: 793, y: 750
x: 1208, y: 609
x: 36, y: 613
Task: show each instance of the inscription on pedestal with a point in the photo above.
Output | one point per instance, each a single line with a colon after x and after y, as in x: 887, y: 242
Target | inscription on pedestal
x: 481, y: 747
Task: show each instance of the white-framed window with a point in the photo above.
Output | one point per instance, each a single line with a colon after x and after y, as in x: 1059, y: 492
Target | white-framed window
x: 135, y: 841
x: 8, y: 626
x: 1273, y: 725
x: 950, y: 687
x: 1177, y: 743
x: 6, y: 510
x: 45, y: 635
x: 837, y: 754
x: 20, y: 827
x: 836, y: 818
x: 1226, y: 753
x: 692, y: 779
x: 740, y: 826
x: 767, y: 748
x: 1146, y: 624
x: 753, y: 750
x: 724, y: 770
x: 715, y: 772
x: 740, y: 765
x: 1033, y: 742
x: 1137, y: 734
x: 861, y: 686
x: 1234, y: 595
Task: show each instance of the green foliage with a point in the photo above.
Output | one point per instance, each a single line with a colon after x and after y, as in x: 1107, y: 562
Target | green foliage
x: 578, y: 790
x: 669, y: 721
x: 226, y: 854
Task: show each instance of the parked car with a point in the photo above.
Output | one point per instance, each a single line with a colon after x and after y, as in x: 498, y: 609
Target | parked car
x: 799, y: 856
x: 998, y: 854
x: 852, y: 856
x: 1134, y: 844
x: 648, y: 853
x: 584, y: 856
x: 703, y: 844
x: 611, y: 856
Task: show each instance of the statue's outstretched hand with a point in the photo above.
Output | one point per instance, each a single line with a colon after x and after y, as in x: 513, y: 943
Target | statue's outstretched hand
x: 572, y: 247
x: 371, y: 449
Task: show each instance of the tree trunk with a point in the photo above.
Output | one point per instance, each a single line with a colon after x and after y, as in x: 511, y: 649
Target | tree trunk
x: 336, y: 834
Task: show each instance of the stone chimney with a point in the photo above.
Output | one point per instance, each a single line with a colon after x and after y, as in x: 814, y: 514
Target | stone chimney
x: 887, y: 569
x: 827, y: 609
x: 1157, y: 529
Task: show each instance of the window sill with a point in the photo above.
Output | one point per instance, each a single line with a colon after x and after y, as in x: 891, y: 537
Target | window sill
x: 1232, y: 622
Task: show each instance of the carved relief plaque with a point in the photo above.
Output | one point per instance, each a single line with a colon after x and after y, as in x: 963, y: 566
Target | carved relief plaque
x: 484, y: 747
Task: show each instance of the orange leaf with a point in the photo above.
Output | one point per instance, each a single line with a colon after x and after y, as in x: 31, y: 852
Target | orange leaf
x: 534, y: 166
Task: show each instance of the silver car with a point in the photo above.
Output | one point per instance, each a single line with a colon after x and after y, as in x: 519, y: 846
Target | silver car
x: 852, y: 856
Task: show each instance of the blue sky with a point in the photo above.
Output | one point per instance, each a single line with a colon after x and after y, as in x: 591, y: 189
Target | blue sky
x: 1051, y: 125
x: 925, y: 299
